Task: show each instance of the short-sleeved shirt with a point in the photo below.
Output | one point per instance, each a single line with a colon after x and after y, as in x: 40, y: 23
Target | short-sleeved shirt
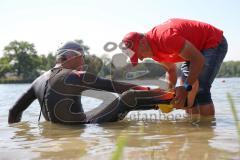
x: 167, y: 39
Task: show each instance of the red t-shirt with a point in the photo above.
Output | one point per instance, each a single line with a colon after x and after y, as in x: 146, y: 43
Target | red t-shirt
x: 167, y: 39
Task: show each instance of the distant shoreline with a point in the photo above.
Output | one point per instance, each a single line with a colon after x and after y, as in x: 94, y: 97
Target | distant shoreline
x: 15, y: 81
x: 138, y: 81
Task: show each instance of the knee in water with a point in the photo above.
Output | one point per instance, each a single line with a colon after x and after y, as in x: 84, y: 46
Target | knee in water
x: 203, y: 97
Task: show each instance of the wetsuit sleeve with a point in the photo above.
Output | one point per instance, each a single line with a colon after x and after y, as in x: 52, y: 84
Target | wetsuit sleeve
x: 21, y: 104
x: 94, y: 82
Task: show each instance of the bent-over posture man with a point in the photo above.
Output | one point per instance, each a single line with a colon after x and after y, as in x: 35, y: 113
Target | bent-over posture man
x: 201, y: 46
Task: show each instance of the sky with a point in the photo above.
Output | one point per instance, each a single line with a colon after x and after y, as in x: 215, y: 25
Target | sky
x: 50, y: 23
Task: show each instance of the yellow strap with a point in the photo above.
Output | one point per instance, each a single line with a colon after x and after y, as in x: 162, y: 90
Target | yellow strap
x: 165, y: 108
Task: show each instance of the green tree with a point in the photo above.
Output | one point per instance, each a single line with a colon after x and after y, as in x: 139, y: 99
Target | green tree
x: 24, y: 58
x: 5, y: 66
x: 106, y: 65
x: 51, y: 60
x: 230, y: 69
x: 47, y: 62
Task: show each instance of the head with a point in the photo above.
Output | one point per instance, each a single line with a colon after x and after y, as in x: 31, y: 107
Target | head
x: 71, y: 56
x: 136, y: 47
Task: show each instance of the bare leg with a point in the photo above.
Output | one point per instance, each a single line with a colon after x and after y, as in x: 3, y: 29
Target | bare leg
x: 192, y: 94
x: 204, y: 110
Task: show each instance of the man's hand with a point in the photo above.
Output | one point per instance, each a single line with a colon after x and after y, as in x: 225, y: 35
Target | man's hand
x: 180, y: 97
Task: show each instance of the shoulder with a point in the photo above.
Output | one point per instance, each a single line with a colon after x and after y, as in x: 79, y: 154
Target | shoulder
x: 42, y: 78
x: 82, y: 76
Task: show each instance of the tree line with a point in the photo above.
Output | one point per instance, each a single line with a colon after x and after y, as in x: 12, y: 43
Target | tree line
x: 230, y: 69
x: 21, y: 63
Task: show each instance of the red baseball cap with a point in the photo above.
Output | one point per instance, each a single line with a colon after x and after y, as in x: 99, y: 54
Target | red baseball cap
x: 131, y: 41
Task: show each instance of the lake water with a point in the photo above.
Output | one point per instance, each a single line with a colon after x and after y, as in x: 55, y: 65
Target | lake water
x: 166, y: 137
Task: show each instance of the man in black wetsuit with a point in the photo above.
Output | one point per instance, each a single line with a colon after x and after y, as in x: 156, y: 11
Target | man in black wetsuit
x: 59, y: 93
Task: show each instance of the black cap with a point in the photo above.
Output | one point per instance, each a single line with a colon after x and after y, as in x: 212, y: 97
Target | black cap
x: 71, y: 46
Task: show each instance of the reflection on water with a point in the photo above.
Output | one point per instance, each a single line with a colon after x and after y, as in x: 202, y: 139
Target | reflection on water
x: 146, y: 140
x: 186, y: 138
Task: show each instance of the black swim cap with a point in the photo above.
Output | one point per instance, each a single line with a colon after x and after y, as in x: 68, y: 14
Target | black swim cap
x: 71, y: 46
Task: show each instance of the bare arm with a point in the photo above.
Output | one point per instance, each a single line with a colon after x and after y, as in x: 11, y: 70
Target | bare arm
x: 190, y: 53
x: 171, y: 73
x: 196, y: 59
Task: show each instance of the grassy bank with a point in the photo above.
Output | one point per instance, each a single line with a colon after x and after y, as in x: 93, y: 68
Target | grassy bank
x: 15, y: 80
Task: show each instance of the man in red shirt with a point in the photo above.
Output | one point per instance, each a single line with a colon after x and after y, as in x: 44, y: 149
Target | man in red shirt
x: 201, y: 46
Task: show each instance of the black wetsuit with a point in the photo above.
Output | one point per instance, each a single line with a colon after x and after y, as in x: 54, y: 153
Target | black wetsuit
x: 59, y: 94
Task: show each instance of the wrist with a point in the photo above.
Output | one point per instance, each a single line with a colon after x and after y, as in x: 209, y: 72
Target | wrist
x: 170, y: 84
x: 187, y: 86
